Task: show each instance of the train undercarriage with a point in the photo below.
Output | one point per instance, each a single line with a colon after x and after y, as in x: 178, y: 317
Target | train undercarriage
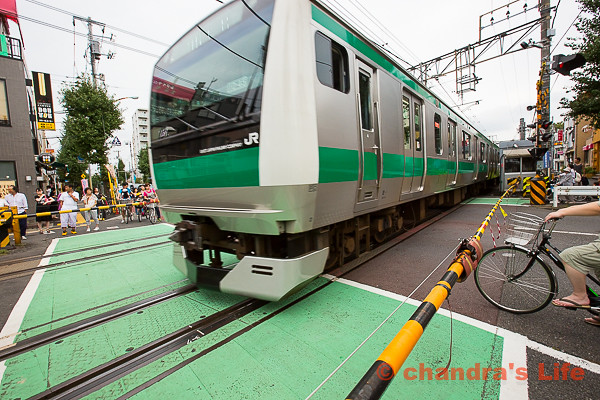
x: 272, y: 267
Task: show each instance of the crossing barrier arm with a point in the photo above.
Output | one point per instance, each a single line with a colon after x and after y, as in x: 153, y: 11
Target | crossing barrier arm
x: 386, y: 367
x: 48, y: 213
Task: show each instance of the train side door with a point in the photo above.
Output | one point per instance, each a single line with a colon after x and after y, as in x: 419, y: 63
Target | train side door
x: 412, y: 124
x: 370, y: 158
x: 452, y: 157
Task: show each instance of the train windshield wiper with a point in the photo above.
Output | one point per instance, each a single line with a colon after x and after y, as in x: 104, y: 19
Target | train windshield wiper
x: 218, y: 114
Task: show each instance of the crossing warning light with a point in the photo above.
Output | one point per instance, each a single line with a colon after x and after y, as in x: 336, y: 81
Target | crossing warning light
x: 537, y: 152
x: 564, y: 64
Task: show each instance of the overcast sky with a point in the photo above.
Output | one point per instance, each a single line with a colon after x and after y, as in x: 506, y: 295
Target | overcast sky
x: 425, y: 28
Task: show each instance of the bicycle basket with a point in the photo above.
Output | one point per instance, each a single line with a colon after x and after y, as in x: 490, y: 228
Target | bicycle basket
x: 522, y: 228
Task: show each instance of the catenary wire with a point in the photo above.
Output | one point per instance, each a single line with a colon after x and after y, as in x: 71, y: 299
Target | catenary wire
x: 39, y: 3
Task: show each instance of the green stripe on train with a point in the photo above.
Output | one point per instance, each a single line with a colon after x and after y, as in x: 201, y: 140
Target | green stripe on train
x: 239, y: 168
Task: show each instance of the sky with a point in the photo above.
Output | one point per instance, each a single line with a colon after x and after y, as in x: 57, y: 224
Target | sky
x: 425, y: 29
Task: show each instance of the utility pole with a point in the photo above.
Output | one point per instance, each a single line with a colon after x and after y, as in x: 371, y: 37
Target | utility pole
x: 93, y: 45
x: 543, y: 85
x: 546, y: 39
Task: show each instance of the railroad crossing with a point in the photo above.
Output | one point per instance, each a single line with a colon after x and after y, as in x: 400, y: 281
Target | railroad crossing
x: 104, y: 315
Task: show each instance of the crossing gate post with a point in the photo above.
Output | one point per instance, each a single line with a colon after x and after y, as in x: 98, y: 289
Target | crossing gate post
x: 6, y: 220
x: 537, y: 191
x: 16, y: 228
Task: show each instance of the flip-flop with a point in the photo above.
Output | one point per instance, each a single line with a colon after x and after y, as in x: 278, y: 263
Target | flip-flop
x: 574, y: 306
x: 595, y: 320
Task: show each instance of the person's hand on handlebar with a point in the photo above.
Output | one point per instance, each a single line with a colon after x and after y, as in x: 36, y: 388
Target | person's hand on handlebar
x: 553, y: 215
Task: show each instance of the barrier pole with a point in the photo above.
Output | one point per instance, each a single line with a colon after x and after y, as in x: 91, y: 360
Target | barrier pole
x: 48, y: 213
x: 378, y: 377
x: 5, y: 223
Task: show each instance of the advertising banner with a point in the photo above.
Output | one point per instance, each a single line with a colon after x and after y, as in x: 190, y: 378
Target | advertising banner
x: 43, y: 101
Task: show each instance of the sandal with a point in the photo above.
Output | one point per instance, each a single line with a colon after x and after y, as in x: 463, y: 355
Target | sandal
x: 595, y: 320
x: 570, y: 304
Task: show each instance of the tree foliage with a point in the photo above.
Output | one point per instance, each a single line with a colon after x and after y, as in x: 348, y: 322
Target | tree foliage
x: 586, y: 89
x: 144, y: 164
x: 91, y: 117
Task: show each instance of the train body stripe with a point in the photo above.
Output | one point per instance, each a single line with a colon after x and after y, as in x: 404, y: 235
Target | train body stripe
x: 237, y: 168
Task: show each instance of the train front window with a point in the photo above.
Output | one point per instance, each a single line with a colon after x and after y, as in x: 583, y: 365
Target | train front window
x: 214, y: 74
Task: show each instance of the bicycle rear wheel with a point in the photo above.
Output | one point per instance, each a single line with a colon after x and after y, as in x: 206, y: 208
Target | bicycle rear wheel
x: 515, y: 281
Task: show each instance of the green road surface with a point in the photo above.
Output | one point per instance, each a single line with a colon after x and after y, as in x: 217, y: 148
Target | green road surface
x: 283, y: 357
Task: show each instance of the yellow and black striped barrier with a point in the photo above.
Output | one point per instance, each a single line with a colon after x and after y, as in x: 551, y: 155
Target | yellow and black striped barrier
x: 378, y: 377
x: 5, y: 225
x: 49, y: 213
x: 526, y: 186
x: 537, y: 194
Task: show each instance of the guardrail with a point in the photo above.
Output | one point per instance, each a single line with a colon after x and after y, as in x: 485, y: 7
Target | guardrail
x: 574, y: 191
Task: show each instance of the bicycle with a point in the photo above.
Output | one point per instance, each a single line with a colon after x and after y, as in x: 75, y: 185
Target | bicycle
x: 515, y: 278
x: 151, y: 213
x: 128, y: 215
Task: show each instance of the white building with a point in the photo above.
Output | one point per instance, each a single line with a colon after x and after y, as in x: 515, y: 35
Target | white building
x: 139, y: 138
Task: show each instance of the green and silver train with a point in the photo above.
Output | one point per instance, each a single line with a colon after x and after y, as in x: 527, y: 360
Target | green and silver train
x: 282, y: 135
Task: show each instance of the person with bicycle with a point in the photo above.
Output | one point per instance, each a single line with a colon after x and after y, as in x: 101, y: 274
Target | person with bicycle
x: 139, y: 198
x: 125, y: 196
x: 579, y: 261
x: 150, y: 195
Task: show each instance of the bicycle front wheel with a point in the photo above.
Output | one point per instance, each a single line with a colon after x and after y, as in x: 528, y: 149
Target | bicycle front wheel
x: 514, y: 280
x: 152, y: 215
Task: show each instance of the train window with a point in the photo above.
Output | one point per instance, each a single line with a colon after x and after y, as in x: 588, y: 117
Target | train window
x: 451, y: 138
x: 466, y: 145
x: 364, y: 87
x: 512, y: 165
x: 437, y: 129
x: 482, y: 152
x: 417, y: 121
x: 406, y: 119
x: 332, y: 63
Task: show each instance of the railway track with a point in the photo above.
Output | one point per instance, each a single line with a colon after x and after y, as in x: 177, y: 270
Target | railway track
x: 34, y: 342
x: 71, y: 263
x: 94, y: 379
x: 43, y: 255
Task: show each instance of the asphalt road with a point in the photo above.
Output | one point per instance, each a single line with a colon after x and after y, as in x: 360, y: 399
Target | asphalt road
x: 402, y: 268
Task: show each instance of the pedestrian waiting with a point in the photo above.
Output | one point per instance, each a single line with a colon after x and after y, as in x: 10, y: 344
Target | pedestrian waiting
x: 68, y: 201
x: 90, y: 201
x: 19, y: 200
x: 43, y: 204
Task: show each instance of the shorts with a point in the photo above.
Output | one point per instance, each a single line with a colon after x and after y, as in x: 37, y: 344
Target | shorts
x: 584, y: 258
x: 68, y: 219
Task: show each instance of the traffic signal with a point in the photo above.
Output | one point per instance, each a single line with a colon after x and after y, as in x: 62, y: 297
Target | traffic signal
x: 546, y: 136
x: 564, y: 64
x: 545, y: 124
x: 537, y: 152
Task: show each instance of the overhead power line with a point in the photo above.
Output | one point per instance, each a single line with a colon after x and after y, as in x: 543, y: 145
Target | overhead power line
x: 69, y: 31
x: 39, y: 3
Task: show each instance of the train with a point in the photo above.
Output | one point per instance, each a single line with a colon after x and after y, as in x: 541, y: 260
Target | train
x: 284, y: 142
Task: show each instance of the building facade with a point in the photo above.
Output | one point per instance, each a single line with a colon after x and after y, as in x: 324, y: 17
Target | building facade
x: 139, y: 140
x: 18, y: 135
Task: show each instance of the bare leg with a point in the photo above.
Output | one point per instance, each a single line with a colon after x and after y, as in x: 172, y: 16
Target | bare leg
x: 579, y: 294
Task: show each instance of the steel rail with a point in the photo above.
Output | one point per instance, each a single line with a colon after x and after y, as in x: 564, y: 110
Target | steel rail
x: 42, y: 339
